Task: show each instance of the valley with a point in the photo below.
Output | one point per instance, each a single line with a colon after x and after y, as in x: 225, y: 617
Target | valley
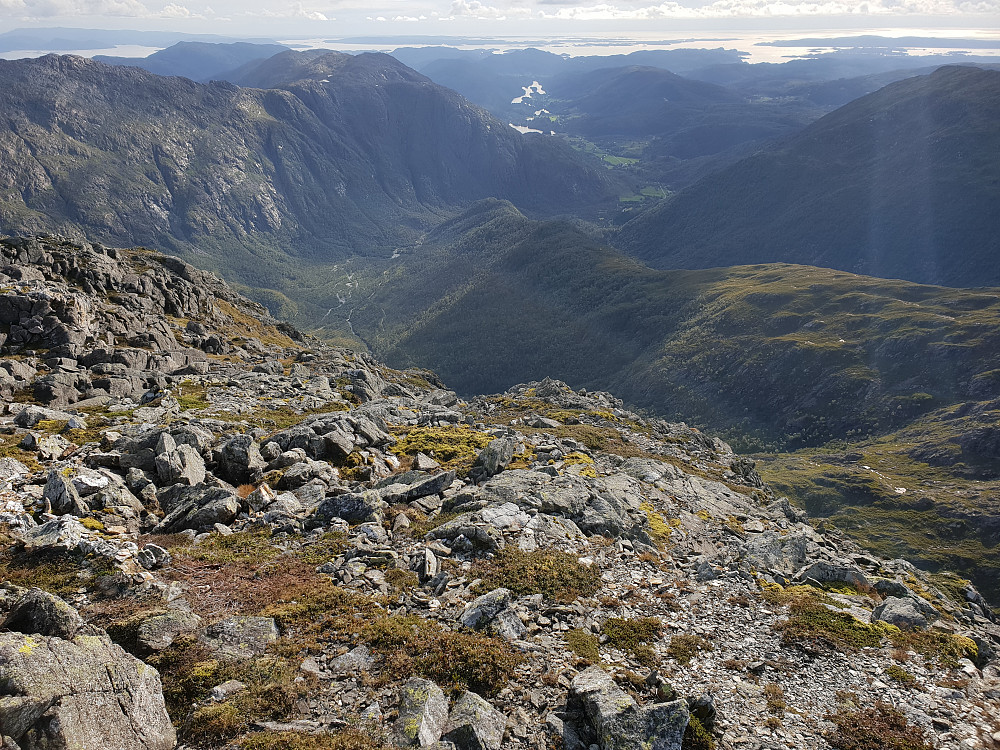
x: 801, y: 257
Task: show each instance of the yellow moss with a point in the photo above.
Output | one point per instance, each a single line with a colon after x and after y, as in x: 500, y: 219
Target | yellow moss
x: 660, y: 528
x: 92, y: 523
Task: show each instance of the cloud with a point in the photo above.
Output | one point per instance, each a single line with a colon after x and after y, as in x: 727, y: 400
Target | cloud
x: 766, y: 8
x: 295, y: 10
x: 476, y: 9
x: 42, y: 9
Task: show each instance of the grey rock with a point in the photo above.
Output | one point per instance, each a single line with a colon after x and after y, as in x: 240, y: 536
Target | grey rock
x: 620, y: 723
x: 898, y: 611
x: 507, y: 625
x: 240, y: 461
x: 833, y: 572
x: 357, y: 508
x: 159, y: 631
x: 354, y: 661
x: 153, y: 556
x: 493, y: 459
x: 182, y: 465
x: 38, y: 612
x: 227, y: 689
x: 483, y: 609
x: 62, y: 495
x: 476, y: 725
x: 11, y: 469
x: 422, y: 462
x: 241, y: 637
x: 423, y: 714
x: 81, y: 693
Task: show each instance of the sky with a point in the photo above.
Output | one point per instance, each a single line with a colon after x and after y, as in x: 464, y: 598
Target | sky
x: 339, y: 18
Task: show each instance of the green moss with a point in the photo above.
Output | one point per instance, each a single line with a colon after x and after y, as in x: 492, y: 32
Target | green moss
x: 192, y: 395
x: 402, y: 580
x: 696, y: 737
x: 936, y: 645
x: 633, y: 636
x: 413, y: 646
x: 815, y: 628
x: 345, y: 739
x: 242, y: 546
x: 900, y: 675
x: 92, y: 523
x: 556, y: 575
x: 450, y: 446
x: 583, y: 644
x: 327, y: 547
x: 684, y: 647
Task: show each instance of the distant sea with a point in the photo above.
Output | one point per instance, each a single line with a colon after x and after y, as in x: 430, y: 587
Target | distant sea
x: 773, y: 47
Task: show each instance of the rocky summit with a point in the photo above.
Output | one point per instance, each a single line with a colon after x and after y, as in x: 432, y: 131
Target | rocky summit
x: 219, y: 533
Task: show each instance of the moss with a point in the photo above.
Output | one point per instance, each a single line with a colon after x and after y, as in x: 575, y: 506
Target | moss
x: 880, y: 727
x: 815, y: 628
x: 936, y: 645
x: 660, y: 528
x: 580, y: 459
x: 245, y: 326
x: 327, y: 547
x: 242, y: 546
x: 402, y: 580
x: 556, y: 575
x: 192, y: 395
x: 696, y: 737
x: 345, y: 739
x: 452, y: 447
x: 633, y: 636
x: 684, y: 647
x: 774, y: 696
x: 10, y: 449
x: 459, y: 660
x: 900, y: 675
x: 270, y: 695
x: 92, y: 523
x: 57, y: 573
x: 583, y: 644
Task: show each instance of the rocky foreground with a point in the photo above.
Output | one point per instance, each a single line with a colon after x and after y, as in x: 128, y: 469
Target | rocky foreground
x: 218, y: 533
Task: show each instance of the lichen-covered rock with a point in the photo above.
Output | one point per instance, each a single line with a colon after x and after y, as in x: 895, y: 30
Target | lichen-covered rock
x: 240, y: 461
x: 475, y: 724
x: 483, y: 609
x: 899, y: 611
x: 423, y: 714
x: 493, y: 459
x: 159, y: 631
x: 39, y: 612
x: 241, y: 637
x: 81, y: 693
x: 620, y: 722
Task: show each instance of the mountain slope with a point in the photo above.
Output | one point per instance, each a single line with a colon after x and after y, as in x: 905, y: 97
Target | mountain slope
x: 199, y: 61
x: 902, y: 183
x: 790, y: 355
x: 358, y: 163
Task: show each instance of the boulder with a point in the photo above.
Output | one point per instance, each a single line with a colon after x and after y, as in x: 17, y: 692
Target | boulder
x: 36, y: 611
x: 826, y: 571
x: 620, y: 723
x: 493, y: 459
x: 62, y: 495
x: 482, y: 610
x: 899, y: 611
x: 241, y: 637
x: 240, y: 461
x: 159, y: 631
x: 475, y: 724
x: 423, y: 714
x: 182, y: 465
x: 81, y: 693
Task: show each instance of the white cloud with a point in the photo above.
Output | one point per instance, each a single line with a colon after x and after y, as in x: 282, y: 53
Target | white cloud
x: 476, y: 9
x: 295, y: 10
x: 769, y: 8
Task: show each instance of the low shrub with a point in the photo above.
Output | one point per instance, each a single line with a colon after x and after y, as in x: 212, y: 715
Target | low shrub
x: 684, y: 647
x: 880, y: 727
x: 583, y: 644
x: 556, y: 575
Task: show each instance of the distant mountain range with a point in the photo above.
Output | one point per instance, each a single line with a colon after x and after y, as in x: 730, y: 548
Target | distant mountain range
x: 199, y: 61
x: 352, y: 155
x: 902, y: 183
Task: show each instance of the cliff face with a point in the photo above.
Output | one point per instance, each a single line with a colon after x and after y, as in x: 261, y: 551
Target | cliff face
x: 294, y: 536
